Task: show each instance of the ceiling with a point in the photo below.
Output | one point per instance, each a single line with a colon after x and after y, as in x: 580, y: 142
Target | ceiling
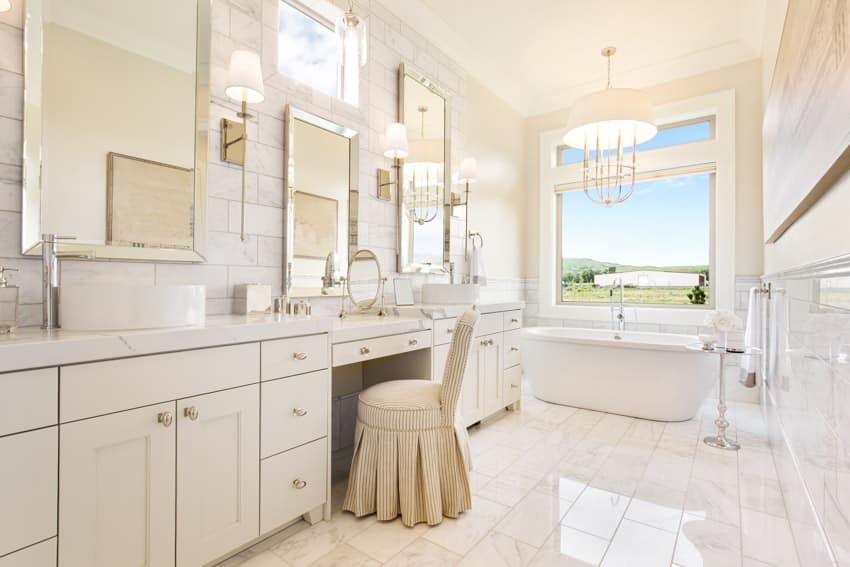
x: 540, y: 55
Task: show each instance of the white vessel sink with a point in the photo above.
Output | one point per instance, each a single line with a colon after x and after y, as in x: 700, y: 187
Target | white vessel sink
x: 114, y: 308
x: 449, y: 294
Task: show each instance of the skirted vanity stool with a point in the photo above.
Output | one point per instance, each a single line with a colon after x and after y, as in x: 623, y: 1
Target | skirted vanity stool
x: 411, y: 450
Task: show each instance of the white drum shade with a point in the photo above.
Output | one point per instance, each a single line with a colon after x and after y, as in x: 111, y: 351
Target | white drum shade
x: 245, y: 77
x: 396, y: 141
x: 610, y: 114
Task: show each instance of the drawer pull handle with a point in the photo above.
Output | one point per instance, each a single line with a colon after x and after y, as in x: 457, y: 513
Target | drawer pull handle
x: 166, y: 418
x: 413, y: 342
x: 365, y: 350
x: 514, y: 349
x: 514, y: 320
x: 299, y: 412
x: 191, y: 413
x: 299, y: 484
x: 484, y: 343
x: 450, y: 331
x: 299, y: 355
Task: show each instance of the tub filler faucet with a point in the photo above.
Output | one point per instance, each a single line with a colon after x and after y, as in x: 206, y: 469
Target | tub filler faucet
x: 620, y: 317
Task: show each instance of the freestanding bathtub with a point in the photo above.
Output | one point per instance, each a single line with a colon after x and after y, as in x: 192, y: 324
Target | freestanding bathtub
x: 647, y: 375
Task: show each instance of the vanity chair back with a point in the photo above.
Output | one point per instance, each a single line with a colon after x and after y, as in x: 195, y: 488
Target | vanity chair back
x: 456, y: 363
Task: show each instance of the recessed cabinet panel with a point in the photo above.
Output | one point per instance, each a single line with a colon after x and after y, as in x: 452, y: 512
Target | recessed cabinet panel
x: 287, y: 357
x: 295, y: 411
x: 444, y: 330
x: 490, y: 373
x: 512, y: 346
x: 27, y: 488
x: 293, y: 483
x: 116, y: 489
x: 471, y: 393
x: 513, y: 385
x: 218, y: 460
x: 28, y: 400
x: 39, y: 555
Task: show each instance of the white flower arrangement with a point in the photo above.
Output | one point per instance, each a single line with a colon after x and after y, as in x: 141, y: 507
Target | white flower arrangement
x: 723, y: 321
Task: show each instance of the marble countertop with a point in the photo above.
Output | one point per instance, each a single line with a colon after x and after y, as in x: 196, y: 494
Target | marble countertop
x: 35, y: 348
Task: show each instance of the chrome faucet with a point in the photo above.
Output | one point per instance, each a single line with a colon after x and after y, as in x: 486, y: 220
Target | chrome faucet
x: 621, y: 317
x: 50, y: 279
x: 331, y: 273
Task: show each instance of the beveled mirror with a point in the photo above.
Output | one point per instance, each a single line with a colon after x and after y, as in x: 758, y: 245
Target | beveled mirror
x: 423, y: 214
x: 364, y: 279
x: 115, y: 126
x: 320, y: 203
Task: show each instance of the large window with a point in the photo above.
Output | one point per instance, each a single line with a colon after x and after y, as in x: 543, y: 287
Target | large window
x: 307, y: 48
x: 658, y: 243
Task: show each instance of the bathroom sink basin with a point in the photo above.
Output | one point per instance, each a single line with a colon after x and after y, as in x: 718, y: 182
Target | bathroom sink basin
x: 449, y: 294
x: 115, y: 308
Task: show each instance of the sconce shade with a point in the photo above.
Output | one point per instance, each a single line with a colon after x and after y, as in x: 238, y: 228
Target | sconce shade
x: 468, y: 170
x: 396, y: 141
x: 5, y: 5
x: 245, y: 77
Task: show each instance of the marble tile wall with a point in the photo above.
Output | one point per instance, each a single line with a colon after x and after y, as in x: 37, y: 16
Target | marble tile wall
x: 808, y: 406
x: 245, y: 24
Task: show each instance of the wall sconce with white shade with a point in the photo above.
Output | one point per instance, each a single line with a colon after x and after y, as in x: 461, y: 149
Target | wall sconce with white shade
x: 351, y: 38
x: 244, y: 85
x: 397, y: 149
x: 468, y: 174
x: 5, y: 5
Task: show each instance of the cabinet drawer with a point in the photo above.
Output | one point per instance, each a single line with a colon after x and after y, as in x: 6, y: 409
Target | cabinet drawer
x: 512, y: 320
x: 281, y: 499
x: 488, y: 324
x: 512, y: 345
x: 103, y: 387
x: 513, y: 385
x: 28, y: 400
x: 443, y: 330
x: 295, y: 411
x: 358, y: 351
x: 297, y: 355
x: 41, y: 555
x: 28, y: 488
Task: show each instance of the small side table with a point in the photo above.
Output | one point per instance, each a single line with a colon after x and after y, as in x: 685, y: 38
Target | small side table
x: 720, y: 441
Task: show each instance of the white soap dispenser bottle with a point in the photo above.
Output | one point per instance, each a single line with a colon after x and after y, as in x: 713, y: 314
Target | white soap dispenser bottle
x: 8, y: 303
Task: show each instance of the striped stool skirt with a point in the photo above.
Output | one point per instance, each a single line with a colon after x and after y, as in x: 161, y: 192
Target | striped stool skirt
x: 409, y: 457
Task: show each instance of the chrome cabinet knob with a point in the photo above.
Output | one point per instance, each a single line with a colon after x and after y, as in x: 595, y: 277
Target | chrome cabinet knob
x: 514, y: 349
x: 299, y: 355
x: 299, y: 484
x: 514, y: 320
x: 365, y: 350
x: 450, y: 331
x: 484, y: 343
x: 299, y: 412
x: 413, y: 342
x: 166, y: 418
x: 191, y: 412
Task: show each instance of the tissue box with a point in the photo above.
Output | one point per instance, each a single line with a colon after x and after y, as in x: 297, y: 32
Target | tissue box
x: 252, y: 298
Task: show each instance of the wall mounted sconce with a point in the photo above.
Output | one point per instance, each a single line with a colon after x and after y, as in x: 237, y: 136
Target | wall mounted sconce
x: 468, y: 174
x: 244, y: 85
x: 397, y: 148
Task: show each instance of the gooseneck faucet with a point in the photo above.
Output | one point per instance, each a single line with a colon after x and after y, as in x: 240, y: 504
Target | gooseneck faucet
x: 621, y: 317
x: 50, y: 279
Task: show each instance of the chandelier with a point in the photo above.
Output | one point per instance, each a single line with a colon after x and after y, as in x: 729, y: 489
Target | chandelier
x: 608, y: 126
x: 423, y: 176
x: 351, y: 39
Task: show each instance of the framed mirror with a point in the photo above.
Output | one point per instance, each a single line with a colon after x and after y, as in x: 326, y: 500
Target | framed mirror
x: 364, y: 279
x: 115, y: 126
x: 424, y: 209
x: 320, y: 203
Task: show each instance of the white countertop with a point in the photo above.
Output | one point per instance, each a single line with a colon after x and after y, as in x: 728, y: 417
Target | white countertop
x: 35, y: 348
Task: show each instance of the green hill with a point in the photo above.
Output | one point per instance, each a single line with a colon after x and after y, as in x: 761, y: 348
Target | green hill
x: 577, y: 265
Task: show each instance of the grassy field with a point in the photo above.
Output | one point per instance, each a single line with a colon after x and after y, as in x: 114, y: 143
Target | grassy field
x: 656, y: 295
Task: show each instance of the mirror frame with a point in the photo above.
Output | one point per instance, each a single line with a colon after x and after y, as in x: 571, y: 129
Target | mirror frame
x: 32, y: 136
x: 291, y: 113
x: 407, y: 71
x: 365, y: 304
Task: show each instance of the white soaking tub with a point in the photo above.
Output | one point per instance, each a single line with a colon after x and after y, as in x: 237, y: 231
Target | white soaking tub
x: 647, y: 375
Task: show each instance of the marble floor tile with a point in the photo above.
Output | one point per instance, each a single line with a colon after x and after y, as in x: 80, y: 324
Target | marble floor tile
x: 620, y: 474
x: 461, y: 534
x: 763, y: 495
x: 705, y: 543
x: 495, y: 460
x: 478, y: 481
x: 307, y: 546
x: 597, y: 512
x: 345, y: 556
x: 533, y: 519
x: 263, y: 559
x: 499, y: 550
x: 638, y: 544
x: 563, y: 486
x: 563, y: 546
x: 768, y: 539
x: 506, y: 493
x: 756, y: 463
x: 657, y: 506
x: 423, y: 553
x: 713, y: 501
x: 382, y: 540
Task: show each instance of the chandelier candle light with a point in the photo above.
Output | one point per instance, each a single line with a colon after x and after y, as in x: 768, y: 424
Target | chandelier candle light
x: 604, y: 124
x: 424, y: 173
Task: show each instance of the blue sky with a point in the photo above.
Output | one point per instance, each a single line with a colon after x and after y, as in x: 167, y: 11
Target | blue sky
x: 307, y: 50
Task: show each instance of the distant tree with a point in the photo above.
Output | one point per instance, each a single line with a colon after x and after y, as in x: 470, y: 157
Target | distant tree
x: 612, y: 269
x: 587, y: 276
x: 697, y: 296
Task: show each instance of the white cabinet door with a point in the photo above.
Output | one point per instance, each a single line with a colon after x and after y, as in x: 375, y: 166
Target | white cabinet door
x: 490, y: 374
x: 472, y: 390
x: 116, y: 489
x: 218, y: 474
x: 39, y: 555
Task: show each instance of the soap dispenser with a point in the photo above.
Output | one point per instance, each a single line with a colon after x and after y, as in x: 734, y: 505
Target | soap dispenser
x: 8, y: 303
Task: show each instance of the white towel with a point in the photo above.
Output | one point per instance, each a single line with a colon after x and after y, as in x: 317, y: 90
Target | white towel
x: 477, y: 273
x: 752, y: 338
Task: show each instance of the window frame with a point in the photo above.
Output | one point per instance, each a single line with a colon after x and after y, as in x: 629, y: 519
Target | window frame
x: 719, y: 151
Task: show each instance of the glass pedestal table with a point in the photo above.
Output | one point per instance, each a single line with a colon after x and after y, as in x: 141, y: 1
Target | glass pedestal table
x: 720, y: 441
